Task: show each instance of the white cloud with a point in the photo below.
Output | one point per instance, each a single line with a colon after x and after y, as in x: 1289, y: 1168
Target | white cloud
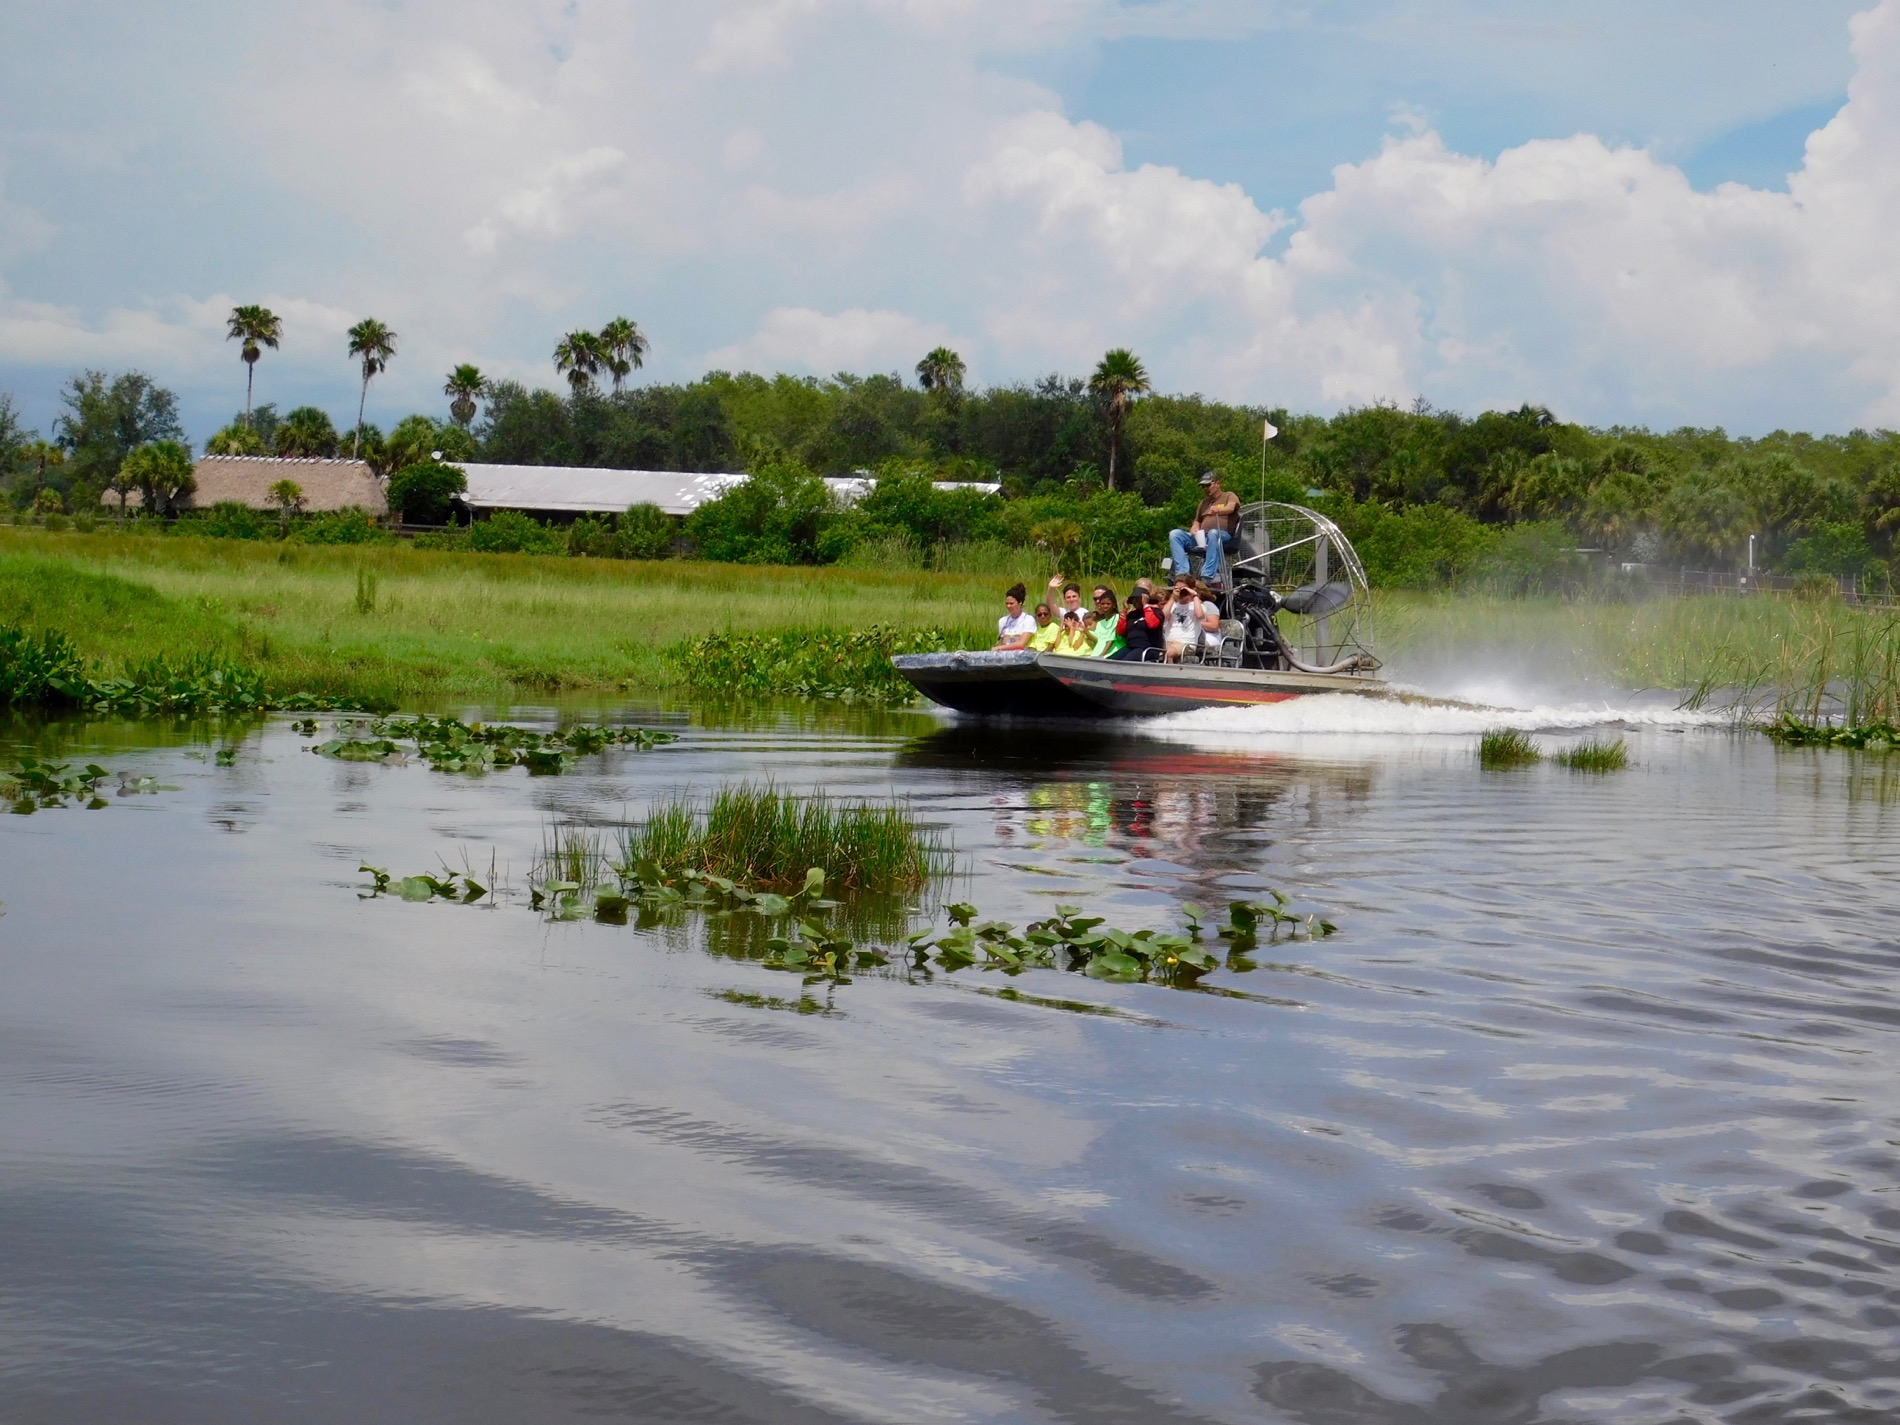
x: 855, y: 180
x: 801, y: 339
x: 1596, y: 278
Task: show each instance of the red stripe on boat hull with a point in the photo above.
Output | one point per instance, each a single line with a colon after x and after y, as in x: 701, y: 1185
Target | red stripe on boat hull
x: 1205, y: 694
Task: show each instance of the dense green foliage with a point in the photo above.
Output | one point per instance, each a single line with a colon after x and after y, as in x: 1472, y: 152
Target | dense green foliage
x: 46, y: 671
x: 1502, y: 498
x: 810, y: 663
x: 424, y: 493
x: 641, y: 532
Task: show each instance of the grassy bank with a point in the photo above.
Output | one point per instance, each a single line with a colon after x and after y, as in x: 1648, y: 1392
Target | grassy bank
x: 408, y: 627
x: 405, y: 627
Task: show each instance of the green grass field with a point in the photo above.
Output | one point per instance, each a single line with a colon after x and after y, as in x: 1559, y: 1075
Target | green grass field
x: 418, y: 628
x: 443, y: 625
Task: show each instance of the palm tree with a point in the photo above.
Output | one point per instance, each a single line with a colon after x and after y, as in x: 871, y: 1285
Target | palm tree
x: 624, y: 347
x: 578, y: 358
x: 288, y: 496
x: 941, y: 372
x: 1118, y: 379
x: 375, y: 344
x: 257, y: 328
x: 467, y: 385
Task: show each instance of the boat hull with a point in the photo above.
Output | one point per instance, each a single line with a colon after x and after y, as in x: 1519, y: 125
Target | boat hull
x: 1024, y: 684
x: 984, y: 683
x: 1148, y: 689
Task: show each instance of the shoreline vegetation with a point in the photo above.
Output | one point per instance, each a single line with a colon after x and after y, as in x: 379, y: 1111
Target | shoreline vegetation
x: 398, y: 627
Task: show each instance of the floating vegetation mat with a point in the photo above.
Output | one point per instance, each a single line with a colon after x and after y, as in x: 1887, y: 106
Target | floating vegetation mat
x: 32, y: 785
x: 802, y: 932
x: 450, y: 745
x: 1865, y: 736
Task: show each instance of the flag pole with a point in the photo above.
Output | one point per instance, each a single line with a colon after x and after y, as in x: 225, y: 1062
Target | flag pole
x: 1267, y: 432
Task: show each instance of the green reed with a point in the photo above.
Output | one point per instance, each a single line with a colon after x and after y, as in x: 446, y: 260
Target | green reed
x: 1503, y: 747
x: 762, y: 836
x: 1595, y: 755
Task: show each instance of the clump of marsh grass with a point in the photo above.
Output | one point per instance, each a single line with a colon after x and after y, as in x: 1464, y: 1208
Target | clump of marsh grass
x: 572, y: 853
x: 1595, y: 755
x: 760, y: 836
x: 1507, y: 747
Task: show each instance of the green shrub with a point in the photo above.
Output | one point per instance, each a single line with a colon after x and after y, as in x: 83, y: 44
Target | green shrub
x: 424, y: 493
x: 643, y: 532
x: 511, y: 532
x: 1538, y: 557
x: 810, y: 663
x: 1419, y: 547
x: 783, y: 514
x: 351, y: 526
x: 228, y: 519
x: 1831, y: 548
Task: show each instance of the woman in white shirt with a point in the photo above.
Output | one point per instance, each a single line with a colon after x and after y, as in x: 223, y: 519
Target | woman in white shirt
x: 1016, y: 625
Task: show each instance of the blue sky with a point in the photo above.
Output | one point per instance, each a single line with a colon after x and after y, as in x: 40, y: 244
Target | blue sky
x: 1309, y: 203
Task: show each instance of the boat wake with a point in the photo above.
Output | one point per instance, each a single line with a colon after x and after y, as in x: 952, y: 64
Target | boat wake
x: 1406, y: 714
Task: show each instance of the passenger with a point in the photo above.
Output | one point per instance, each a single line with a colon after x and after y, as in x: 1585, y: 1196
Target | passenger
x: 1072, y: 640
x: 1140, y: 628
x: 1213, y: 527
x: 1106, y: 618
x: 1014, y: 628
x: 1048, y: 630
x: 1184, y: 620
x: 1103, y: 640
x: 1210, y: 616
x: 1070, y: 597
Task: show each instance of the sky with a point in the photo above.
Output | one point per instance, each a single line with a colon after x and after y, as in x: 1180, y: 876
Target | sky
x: 1635, y: 214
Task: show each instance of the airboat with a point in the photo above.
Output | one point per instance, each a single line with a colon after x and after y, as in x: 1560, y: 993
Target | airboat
x: 1296, y: 621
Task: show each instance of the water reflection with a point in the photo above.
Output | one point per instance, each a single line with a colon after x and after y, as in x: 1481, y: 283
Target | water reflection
x: 1587, y: 1115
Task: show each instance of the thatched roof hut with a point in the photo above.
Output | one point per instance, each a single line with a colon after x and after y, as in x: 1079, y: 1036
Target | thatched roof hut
x: 246, y: 480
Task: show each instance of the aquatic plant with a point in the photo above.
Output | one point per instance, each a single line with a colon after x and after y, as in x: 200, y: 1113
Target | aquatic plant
x: 573, y: 880
x: 450, y: 745
x: 39, y: 669
x: 1865, y: 736
x: 449, y: 886
x: 762, y: 836
x: 810, y: 663
x: 32, y: 785
x: 1503, y: 747
x: 1072, y: 941
x: 1594, y: 755
x: 46, y: 670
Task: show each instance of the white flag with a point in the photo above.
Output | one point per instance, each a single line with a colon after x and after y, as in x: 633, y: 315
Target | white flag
x: 1268, y: 430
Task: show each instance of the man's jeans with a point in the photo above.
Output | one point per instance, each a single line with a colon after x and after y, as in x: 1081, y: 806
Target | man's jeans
x: 1181, y: 560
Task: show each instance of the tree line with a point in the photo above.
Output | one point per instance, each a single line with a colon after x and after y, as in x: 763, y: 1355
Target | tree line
x: 1085, y: 462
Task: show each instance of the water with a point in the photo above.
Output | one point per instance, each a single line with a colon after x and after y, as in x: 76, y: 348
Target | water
x: 1587, y: 1114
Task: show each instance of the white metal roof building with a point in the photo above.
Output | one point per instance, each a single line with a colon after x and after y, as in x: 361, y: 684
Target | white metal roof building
x: 584, y: 490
